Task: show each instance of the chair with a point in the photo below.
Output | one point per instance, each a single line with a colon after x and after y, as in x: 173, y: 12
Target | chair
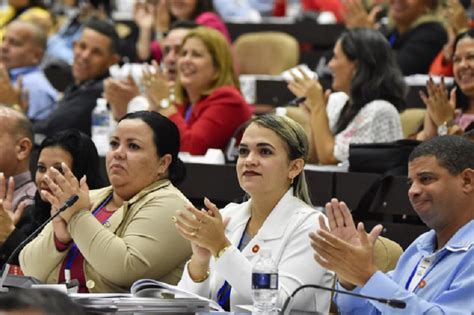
x: 266, y: 52
x: 411, y: 119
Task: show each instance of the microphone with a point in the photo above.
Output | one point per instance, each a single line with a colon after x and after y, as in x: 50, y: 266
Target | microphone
x: 390, y: 302
x: 296, y: 101
x: 67, y: 204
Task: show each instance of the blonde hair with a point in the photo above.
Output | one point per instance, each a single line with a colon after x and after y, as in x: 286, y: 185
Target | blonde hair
x: 297, y: 143
x: 221, y: 55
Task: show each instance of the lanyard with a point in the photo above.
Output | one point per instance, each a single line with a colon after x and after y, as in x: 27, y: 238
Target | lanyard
x: 73, y: 252
x: 392, y: 39
x: 223, y: 294
x: 421, y: 270
x: 187, y: 114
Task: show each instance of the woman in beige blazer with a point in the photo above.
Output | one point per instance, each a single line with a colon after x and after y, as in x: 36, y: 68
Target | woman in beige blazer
x: 113, y: 236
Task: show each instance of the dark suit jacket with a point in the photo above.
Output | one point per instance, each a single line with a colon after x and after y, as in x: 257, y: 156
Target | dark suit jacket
x: 74, y: 110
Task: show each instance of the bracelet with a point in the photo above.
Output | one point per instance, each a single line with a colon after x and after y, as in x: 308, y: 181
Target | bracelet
x: 202, y: 279
x: 221, y: 252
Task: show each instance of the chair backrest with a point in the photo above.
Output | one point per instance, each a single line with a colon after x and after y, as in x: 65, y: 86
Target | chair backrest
x: 266, y: 52
x: 411, y: 119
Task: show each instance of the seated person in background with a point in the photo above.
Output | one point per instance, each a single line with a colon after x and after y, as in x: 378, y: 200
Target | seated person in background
x: 124, y: 95
x: 453, y: 114
x: 435, y: 274
x: 158, y: 17
x: 60, y: 44
x: 113, y: 236
x: 457, y: 22
x: 209, y: 106
x: 71, y: 147
x: 415, y: 30
x: 94, y: 53
x: 21, y: 53
x: 16, y: 142
x: 278, y: 216
x: 25, y: 10
x: 365, y: 110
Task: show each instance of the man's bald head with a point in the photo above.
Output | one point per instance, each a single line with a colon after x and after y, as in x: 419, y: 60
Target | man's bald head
x: 23, y: 45
x: 16, y: 141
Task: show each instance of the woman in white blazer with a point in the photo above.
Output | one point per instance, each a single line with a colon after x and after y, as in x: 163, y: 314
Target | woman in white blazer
x: 277, y: 216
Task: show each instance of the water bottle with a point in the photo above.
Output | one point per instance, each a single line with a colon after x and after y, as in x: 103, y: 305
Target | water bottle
x: 265, y: 284
x: 101, y: 126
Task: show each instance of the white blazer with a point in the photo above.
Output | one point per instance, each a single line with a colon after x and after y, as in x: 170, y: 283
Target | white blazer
x: 285, y: 232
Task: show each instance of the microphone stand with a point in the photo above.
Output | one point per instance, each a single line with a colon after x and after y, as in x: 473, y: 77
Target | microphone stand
x: 287, y: 306
x: 67, y: 204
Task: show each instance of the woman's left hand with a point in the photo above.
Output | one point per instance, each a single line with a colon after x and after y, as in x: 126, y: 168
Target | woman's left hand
x: 205, y: 229
x: 157, y: 89
x: 440, y: 107
x: 303, y: 85
x: 62, y: 187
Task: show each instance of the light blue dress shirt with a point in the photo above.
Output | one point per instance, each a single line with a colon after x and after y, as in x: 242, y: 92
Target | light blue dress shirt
x: 42, y: 95
x: 448, y: 282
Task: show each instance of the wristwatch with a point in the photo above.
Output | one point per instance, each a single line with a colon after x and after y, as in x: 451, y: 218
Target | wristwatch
x: 164, y: 103
x: 444, y: 128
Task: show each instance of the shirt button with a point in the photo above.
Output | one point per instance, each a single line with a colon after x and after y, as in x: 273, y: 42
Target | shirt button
x: 90, y: 284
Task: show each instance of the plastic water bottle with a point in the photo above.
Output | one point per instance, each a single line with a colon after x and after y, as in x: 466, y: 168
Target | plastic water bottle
x: 101, y: 126
x: 265, y: 284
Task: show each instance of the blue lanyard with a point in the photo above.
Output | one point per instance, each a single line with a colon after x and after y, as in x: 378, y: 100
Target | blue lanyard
x: 187, y: 114
x: 73, y: 252
x: 392, y: 39
x: 437, y: 260
x: 223, y: 294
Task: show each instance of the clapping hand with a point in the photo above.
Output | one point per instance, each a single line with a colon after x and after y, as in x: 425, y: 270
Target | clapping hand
x: 119, y: 93
x: 355, y: 15
x: 157, y: 89
x: 8, y: 217
x: 440, y: 107
x: 63, y: 186
x: 205, y: 229
x: 343, y: 248
x: 303, y: 85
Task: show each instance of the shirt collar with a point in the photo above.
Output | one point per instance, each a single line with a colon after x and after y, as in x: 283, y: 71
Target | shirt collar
x: 462, y: 240
x: 16, y: 72
x: 22, y: 178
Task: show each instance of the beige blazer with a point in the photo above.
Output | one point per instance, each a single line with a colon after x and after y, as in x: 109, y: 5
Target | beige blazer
x: 138, y: 241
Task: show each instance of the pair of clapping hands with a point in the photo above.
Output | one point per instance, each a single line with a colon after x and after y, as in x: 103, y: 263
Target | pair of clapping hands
x: 205, y: 229
x: 119, y: 92
x: 344, y: 248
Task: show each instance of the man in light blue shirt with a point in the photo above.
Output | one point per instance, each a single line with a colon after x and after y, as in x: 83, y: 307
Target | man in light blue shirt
x: 435, y: 275
x: 20, y: 54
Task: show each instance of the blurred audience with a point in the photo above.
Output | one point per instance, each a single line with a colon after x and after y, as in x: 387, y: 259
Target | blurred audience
x: 94, y: 53
x: 209, y: 106
x: 16, y: 142
x: 113, y: 236
x: 22, y: 81
x: 277, y: 217
x: 457, y: 21
x: 60, y: 44
x: 154, y: 18
x: 369, y: 93
x: 71, y: 147
x: 25, y: 10
x: 452, y: 113
x: 415, y: 30
x: 125, y: 96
